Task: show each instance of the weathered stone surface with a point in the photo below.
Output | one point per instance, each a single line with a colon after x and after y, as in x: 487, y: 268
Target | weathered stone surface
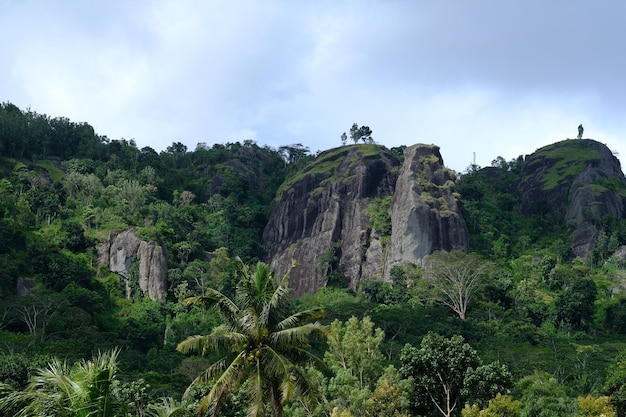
x: 425, y: 213
x: 322, y: 212
x: 118, y: 254
x: 25, y: 286
x: 320, y: 215
x: 581, y: 178
x: 152, y: 270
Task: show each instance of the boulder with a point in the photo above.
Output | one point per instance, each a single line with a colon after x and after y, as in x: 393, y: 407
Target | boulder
x: 122, y: 249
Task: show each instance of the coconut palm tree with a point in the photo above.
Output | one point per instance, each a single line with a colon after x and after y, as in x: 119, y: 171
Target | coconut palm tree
x: 261, y: 344
x: 59, y: 390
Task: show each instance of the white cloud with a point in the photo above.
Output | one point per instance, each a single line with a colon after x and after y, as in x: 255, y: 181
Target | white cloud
x: 495, y: 78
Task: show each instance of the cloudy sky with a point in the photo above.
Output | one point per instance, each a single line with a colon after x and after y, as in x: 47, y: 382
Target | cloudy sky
x: 477, y: 77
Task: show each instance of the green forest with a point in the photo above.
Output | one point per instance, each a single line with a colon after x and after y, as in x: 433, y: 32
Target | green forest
x: 536, y: 332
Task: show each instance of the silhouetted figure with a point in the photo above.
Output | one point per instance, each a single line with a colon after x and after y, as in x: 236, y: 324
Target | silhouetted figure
x: 580, y: 131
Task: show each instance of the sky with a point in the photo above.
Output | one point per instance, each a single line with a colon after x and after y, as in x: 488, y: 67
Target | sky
x: 478, y: 78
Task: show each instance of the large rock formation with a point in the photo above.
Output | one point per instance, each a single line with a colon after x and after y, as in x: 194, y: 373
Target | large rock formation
x: 318, y: 227
x: 425, y: 213
x: 119, y: 253
x: 318, y: 219
x: 581, y: 178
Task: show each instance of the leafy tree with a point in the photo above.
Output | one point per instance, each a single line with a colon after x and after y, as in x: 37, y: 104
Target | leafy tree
x: 337, y: 412
x: 355, y: 347
x: 14, y: 370
x: 591, y: 406
x: 615, y: 383
x: 543, y: 396
x: 500, y: 406
x: 356, y: 362
x: 486, y: 381
x: 261, y: 343
x: 390, y: 397
x: 363, y: 133
x: 455, y: 278
x: 296, y: 155
x: 441, y: 370
x: 575, y: 303
x: 144, y: 328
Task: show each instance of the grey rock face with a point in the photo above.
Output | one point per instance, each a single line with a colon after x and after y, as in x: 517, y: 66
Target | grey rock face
x: 425, y: 213
x: 24, y: 286
x: 320, y: 216
x: 118, y: 254
x: 585, y: 187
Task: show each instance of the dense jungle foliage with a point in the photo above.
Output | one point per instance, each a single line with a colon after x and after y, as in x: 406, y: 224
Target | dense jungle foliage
x: 541, y: 334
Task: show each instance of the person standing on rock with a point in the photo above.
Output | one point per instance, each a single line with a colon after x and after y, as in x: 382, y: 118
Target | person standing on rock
x: 580, y: 131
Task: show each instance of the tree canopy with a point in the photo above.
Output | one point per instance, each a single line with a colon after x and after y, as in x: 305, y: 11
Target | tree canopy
x: 262, y: 343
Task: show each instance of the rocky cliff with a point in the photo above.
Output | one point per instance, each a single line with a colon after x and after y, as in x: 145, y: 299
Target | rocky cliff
x: 581, y: 178
x: 320, y: 230
x: 425, y: 213
x: 119, y: 253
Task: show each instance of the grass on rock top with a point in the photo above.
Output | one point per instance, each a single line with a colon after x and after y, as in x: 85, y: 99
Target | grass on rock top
x: 570, y: 156
x: 327, y: 163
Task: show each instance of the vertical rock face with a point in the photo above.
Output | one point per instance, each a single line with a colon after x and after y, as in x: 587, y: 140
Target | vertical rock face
x: 118, y: 253
x: 318, y: 223
x: 318, y: 227
x: 424, y: 212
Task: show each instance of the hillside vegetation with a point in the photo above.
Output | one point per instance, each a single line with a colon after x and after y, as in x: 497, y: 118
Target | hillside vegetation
x: 536, y: 316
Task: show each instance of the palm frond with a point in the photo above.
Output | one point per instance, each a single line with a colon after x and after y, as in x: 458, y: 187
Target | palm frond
x: 301, y: 317
x: 292, y: 378
x: 294, y: 337
x: 217, y: 300
x: 219, y: 340
x: 277, y: 365
x: 276, y: 305
x: 229, y: 375
x: 299, y: 382
x: 55, y: 378
x: 168, y: 407
x: 256, y: 394
x: 303, y: 355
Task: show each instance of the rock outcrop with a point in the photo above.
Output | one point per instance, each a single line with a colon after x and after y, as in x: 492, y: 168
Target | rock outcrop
x: 318, y: 227
x: 119, y: 253
x: 318, y: 221
x: 581, y: 178
x: 425, y: 213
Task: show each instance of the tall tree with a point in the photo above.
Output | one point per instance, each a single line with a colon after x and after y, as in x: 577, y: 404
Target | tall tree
x: 355, y: 347
x: 355, y: 359
x: 542, y: 395
x: 261, y: 344
x: 455, y: 277
x: 446, y: 372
